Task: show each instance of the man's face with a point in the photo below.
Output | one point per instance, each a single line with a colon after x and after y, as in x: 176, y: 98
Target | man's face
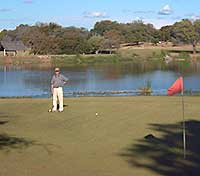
x: 57, y: 72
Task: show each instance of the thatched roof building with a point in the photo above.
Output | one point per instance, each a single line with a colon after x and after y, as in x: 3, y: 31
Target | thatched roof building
x: 12, y: 46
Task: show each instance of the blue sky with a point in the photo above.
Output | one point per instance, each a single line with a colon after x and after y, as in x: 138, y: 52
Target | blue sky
x: 84, y: 13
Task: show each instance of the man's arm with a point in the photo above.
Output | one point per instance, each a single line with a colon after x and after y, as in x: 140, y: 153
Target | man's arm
x: 65, y: 79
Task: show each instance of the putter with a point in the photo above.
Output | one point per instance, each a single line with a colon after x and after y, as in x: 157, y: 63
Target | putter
x: 50, y: 110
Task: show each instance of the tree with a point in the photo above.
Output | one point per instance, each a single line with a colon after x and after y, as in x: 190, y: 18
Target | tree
x: 153, y: 34
x: 72, y: 40
x: 197, y: 28
x: 138, y: 31
x: 103, y: 26
x: 95, y: 43
x: 166, y: 33
x: 114, y: 37
x: 3, y: 34
x: 185, y: 31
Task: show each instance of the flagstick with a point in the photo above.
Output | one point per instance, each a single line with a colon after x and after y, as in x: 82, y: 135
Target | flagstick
x: 184, y: 135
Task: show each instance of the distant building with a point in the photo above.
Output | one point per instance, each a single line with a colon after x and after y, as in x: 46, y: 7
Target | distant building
x: 12, y: 47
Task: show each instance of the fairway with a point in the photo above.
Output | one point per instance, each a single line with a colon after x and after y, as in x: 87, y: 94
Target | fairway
x: 98, y: 136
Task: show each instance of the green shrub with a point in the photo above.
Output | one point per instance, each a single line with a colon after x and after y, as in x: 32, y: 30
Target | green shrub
x: 184, y: 55
x: 164, y: 53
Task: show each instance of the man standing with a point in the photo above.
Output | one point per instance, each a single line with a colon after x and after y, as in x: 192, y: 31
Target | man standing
x: 57, y: 83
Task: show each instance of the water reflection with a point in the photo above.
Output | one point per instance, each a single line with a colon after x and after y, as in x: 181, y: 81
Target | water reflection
x: 115, y: 79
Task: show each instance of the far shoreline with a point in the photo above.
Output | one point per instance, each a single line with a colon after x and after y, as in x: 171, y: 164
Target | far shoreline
x: 123, y: 55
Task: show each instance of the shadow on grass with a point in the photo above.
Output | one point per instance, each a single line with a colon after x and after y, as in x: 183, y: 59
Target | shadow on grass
x: 3, y: 122
x: 164, y: 155
x: 63, y: 106
x: 9, y: 142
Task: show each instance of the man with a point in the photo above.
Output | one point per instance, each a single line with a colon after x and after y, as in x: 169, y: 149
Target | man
x: 57, y: 83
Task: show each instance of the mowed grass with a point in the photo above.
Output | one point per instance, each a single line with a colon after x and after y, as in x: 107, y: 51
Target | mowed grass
x: 78, y: 142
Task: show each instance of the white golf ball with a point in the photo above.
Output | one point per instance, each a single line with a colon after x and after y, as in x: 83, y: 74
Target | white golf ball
x: 49, y: 110
x: 96, y: 114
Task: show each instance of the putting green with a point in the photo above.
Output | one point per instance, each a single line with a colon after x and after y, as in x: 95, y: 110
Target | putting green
x: 91, y: 137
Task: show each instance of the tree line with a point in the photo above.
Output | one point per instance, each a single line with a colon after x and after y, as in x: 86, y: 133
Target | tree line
x: 51, y: 38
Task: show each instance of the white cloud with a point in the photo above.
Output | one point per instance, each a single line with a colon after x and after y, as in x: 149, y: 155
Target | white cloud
x: 158, y: 23
x: 139, y: 18
x: 166, y: 10
x: 95, y: 14
x: 194, y: 17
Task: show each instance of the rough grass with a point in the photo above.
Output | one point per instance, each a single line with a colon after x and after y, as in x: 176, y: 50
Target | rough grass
x: 141, y: 53
x: 78, y: 142
x: 88, y: 59
x: 127, y: 55
x: 24, y: 61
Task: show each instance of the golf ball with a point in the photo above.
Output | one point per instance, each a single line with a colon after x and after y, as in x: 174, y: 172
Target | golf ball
x: 49, y: 110
x: 96, y: 114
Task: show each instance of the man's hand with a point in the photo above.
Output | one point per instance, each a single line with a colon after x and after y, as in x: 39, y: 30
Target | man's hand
x: 65, y: 81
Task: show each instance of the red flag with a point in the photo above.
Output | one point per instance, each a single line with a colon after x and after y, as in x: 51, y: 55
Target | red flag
x: 177, y: 87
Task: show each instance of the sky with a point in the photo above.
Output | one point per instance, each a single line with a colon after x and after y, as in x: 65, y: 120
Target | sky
x: 85, y: 13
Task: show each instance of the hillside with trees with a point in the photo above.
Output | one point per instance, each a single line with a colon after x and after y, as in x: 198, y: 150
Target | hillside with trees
x: 51, y: 38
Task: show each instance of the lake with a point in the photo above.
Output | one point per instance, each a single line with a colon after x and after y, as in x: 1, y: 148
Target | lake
x: 102, y: 80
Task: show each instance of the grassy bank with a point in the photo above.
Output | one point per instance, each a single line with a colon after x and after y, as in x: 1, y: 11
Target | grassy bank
x: 121, y: 56
x: 91, y: 59
x: 79, y: 142
x: 65, y: 60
